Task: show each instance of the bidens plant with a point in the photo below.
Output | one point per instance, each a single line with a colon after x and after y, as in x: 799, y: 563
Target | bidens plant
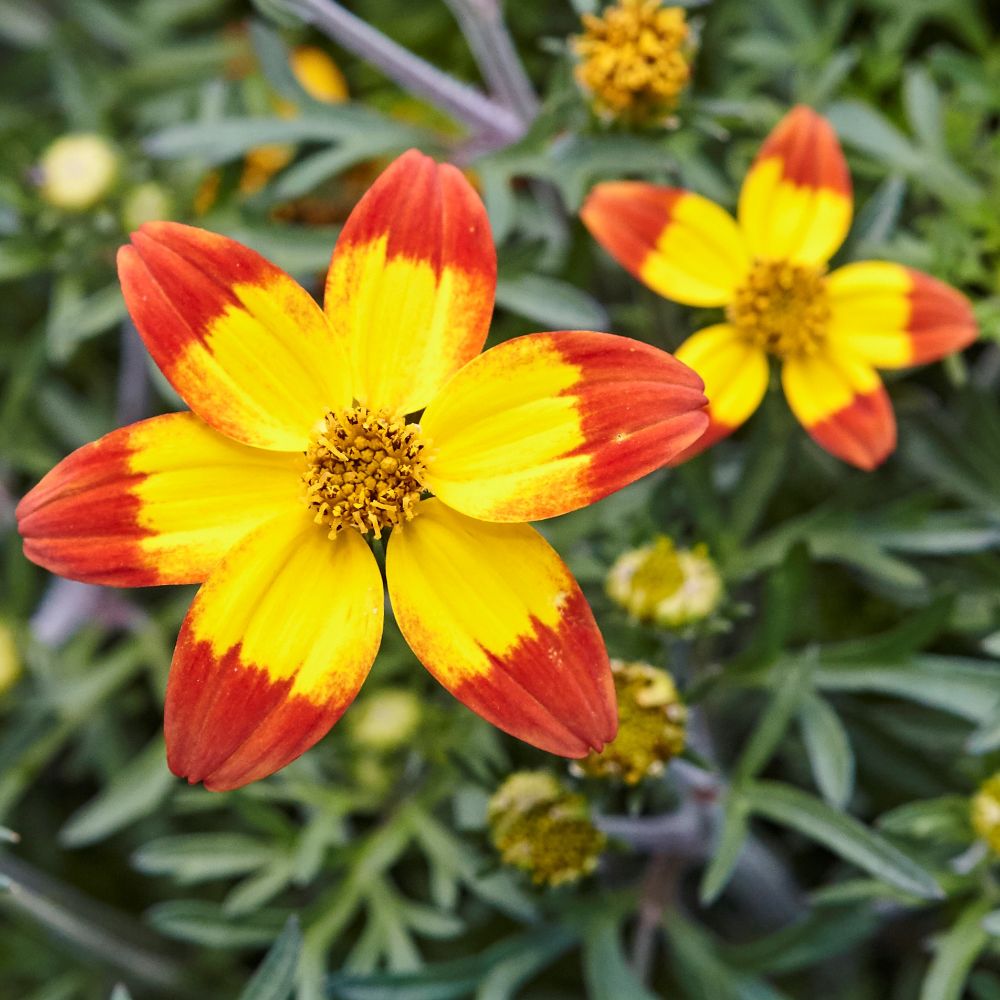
x: 299, y: 451
x: 829, y: 331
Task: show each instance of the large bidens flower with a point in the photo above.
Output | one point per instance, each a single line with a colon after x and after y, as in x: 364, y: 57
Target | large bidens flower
x: 768, y: 269
x: 298, y: 451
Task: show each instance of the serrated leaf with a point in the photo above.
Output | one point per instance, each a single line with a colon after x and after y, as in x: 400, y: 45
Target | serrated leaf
x: 842, y: 834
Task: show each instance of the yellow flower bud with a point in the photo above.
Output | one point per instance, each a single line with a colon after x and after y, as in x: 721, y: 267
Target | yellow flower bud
x: 634, y: 60
x: 77, y: 171
x: 667, y: 586
x: 985, y: 812
x: 10, y: 660
x: 385, y: 720
x: 651, y: 725
x: 542, y: 828
x: 318, y: 75
x: 147, y: 202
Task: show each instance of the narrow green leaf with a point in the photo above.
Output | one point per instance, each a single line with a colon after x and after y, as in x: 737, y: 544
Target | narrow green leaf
x: 828, y: 748
x: 275, y: 979
x: 199, y: 857
x: 842, y: 834
x: 954, y: 954
x: 991, y: 923
x: 553, y: 303
x: 204, y: 924
x: 726, y: 849
x: 605, y: 969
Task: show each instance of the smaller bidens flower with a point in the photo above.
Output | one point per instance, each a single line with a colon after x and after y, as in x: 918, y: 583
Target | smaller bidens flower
x: 985, y: 812
x: 76, y: 171
x: 386, y: 720
x: 544, y: 829
x: 667, y: 586
x: 10, y: 661
x: 634, y: 60
x: 651, y: 726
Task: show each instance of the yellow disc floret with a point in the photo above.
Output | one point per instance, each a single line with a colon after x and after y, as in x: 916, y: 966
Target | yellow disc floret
x: 634, y: 59
x: 782, y: 307
x: 985, y: 812
x: 652, y: 722
x: 544, y: 829
x: 364, y: 471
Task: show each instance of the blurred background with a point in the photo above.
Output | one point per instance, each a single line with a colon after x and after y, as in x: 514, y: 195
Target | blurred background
x: 818, y: 821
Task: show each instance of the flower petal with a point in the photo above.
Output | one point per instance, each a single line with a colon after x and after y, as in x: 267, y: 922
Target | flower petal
x: 411, y: 283
x: 247, y: 347
x: 893, y: 316
x: 160, y: 501
x: 497, y: 618
x: 276, y: 645
x: 796, y: 201
x: 681, y: 245
x: 547, y: 423
x: 842, y: 403
x: 735, y: 372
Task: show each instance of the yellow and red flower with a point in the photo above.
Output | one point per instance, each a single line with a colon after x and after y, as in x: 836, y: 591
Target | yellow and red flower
x: 768, y: 269
x: 298, y: 447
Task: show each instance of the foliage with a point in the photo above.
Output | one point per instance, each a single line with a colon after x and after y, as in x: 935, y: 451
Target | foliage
x: 845, y: 701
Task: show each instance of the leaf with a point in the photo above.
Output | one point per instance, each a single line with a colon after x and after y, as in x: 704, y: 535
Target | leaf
x: 828, y: 748
x: 861, y: 126
x: 727, y: 848
x: 555, y: 304
x: 204, y: 924
x: 605, y: 970
x: 922, y: 101
x: 954, y: 954
x: 944, y: 820
x: 991, y: 923
x: 505, y: 978
x: 200, y: 857
x: 842, y: 834
x: 986, y: 738
x: 275, y: 979
x: 135, y: 791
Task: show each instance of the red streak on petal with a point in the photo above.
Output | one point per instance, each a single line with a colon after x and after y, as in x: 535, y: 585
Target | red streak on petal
x: 82, y: 520
x: 941, y: 319
x: 716, y: 432
x: 810, y: 151
x: 227, y: 723
x: 628, y: 218
x: 554, y: 688
x: 863, y: 433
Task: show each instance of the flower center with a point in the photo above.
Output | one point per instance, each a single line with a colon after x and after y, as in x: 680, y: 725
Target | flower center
x: 782, y: 307
x: 363, y: 470
x: 633, y: 59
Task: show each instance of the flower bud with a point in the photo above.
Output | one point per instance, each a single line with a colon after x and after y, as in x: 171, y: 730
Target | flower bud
x: 10, y: 660
x: 385, y: 720
x: 665, y: 585
x: 985, y: 812
x: 147, y: 202
x: 651, y: 726
x: 77, y: 171
x: 542, y: 828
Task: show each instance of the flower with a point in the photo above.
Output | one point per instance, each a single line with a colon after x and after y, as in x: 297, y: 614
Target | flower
x: 298, y: 452
x: 985, y: 812
x: 829, y: 331
x: 539, y: 826
x: 10, y: 660
x: 663, y: 584
x: 386, y: 720
x: 320, y: 77
x: 77, y: 171
x: 633, y: 59
x: 146, y: 202
x: 652, y: 721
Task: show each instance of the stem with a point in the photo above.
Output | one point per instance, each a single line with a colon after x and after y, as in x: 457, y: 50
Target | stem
x: 416, y: 75
x: 486, y: 32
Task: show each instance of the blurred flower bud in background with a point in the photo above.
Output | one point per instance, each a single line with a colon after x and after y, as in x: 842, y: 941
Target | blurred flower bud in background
x: 10, y: 659
x: 77, y: 171
x: 386, y: 720
x: 544, y: 829
x: 148, y: 202
x: 652, y: 723
x: 985, y: 812
x: 664, y: 585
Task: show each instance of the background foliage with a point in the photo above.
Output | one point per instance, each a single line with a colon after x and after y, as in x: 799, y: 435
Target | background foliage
x: 815, y: 842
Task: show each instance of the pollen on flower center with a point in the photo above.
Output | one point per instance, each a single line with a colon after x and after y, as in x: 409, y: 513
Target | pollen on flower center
x: 364, y: 471
x: 782, y: 307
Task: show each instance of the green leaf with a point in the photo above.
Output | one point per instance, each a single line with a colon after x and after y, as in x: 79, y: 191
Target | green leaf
x: 829, y: 749
x: 200, y: 857
x: 204, y: 924
x: 861, y: 126
x: 275, y: 979
x: 842, y: 834
x: 727, y: 848
x: 505, y: 979
x: 991, y: 923
x: 922, y: 101
x: 135, y: 791
x: 605, y: 970
x: 555, y: 304
x: 954, y: 954
x: 944, y: 820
